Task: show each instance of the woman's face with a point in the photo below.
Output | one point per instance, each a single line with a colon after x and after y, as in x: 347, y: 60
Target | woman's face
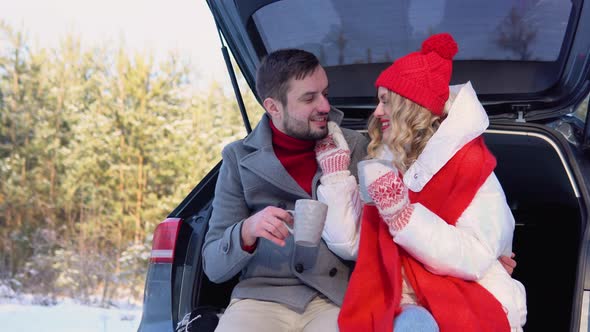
x: 383, y: 112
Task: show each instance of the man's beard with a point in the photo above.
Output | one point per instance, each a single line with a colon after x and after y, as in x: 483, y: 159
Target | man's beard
x: 302, y: 129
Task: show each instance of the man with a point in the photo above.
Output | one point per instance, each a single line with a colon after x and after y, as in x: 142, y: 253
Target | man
x: 282, y: 286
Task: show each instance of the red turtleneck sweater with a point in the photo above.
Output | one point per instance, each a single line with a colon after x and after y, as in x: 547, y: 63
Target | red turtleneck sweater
x: 297, y: 156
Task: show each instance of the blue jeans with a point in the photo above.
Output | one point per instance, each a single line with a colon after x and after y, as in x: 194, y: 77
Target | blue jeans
x: 415, y: 319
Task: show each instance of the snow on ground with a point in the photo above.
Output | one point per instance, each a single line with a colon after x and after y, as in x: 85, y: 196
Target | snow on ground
x: 67, y: 315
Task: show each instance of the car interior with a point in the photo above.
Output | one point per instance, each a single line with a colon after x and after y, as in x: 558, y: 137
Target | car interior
x: 548, y: 222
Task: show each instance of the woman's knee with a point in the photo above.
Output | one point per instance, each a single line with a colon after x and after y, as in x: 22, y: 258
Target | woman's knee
x: 415, y: 318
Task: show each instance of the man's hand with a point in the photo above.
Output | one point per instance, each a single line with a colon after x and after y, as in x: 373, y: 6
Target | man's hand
x: 508, y: 263
x: 268, y: 223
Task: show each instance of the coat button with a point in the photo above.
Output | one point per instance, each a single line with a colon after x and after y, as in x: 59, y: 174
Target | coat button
x: 416, y: 176
x: 282, y: 205
x: 333, y: 272
x: 299, y: 267
x: 225, y: 248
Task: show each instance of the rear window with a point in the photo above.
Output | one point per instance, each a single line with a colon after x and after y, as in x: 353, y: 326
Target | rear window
x: 509, y: 50
x: 355, y: 32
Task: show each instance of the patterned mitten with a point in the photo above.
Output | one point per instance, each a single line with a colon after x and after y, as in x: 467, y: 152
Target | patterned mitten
x: 333, y: 155
x: 389, y: 193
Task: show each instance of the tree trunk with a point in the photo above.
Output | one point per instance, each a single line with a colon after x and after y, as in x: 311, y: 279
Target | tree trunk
x: 139, y: 198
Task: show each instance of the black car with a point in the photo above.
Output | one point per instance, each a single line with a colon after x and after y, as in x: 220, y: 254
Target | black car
x: 529, y: 62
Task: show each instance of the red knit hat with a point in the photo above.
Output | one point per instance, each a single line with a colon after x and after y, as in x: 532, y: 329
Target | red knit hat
x: 423, y: 76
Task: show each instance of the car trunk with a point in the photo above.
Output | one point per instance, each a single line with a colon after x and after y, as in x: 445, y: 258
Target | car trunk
x: 544, y: 199
x: 538, y: 169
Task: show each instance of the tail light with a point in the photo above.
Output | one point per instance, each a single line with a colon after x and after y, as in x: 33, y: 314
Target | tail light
x: 165, y: 241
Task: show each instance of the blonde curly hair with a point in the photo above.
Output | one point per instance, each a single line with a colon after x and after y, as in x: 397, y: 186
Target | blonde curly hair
x: 411, y: 125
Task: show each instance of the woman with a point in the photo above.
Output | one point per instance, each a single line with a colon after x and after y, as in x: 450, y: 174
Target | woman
x: 435, y: 191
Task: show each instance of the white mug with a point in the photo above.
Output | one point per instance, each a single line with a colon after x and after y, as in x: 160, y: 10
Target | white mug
x: 309, y: 217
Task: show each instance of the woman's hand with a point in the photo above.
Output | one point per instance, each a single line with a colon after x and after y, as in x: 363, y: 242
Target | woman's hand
x: 332, y: 153
x: 389, y: 193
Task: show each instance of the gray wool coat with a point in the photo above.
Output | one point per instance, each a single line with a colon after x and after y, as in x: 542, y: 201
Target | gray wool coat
x: 252, y: 178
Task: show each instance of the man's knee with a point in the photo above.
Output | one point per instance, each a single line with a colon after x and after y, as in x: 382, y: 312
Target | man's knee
x: 326, y: 321
x: 255, y: 316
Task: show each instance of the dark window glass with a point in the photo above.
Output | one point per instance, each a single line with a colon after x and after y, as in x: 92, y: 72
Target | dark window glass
x: 342, y: 32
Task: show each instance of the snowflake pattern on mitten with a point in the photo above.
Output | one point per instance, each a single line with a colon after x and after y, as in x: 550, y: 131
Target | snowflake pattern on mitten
x: 390, y: 194
x: 324, y: 145
x: 331, y: 158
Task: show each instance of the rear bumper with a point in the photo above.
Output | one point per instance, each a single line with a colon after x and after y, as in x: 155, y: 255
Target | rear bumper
x: 157, y: 302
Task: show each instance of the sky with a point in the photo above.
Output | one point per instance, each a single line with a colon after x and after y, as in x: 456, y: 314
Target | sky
x: 157, y: 26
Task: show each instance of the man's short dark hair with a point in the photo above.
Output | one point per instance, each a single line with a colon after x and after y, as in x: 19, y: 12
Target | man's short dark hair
x: 278, y: 67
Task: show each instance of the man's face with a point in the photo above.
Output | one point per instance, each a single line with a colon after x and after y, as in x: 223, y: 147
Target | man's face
x: 305, y: 115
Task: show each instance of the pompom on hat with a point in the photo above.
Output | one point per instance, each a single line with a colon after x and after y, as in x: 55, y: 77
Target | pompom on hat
x: 423, y: 76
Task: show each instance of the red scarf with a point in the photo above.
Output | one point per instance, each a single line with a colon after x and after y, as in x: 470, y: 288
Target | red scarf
x: 374, y: 293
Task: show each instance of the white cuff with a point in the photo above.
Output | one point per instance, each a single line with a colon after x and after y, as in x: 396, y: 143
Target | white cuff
x: 335, y: 177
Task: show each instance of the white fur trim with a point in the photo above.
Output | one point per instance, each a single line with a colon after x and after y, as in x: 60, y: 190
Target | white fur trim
x: 466, y: 120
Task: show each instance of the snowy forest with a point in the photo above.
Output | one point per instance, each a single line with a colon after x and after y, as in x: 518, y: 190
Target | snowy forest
x: 97, y: 146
